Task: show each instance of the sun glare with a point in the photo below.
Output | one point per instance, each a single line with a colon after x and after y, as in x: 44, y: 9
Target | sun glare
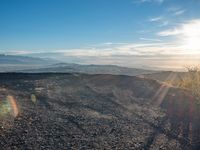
x: 192, y: 45
x: 191, y: 37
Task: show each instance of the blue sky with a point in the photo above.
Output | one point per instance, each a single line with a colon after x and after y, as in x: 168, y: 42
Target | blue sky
x: 145, y: 32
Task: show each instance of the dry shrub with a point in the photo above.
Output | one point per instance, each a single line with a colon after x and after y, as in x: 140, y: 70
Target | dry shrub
x: 192, y: 80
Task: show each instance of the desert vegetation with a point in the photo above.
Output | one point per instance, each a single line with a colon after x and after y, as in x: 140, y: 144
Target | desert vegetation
x: 189, y: 80
x: 192, y: 80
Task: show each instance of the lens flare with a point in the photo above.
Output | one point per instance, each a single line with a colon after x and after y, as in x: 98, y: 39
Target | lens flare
x: 33, y: 98
x: 13, y: 105
x: 4, y: 108
x: 163, y: 90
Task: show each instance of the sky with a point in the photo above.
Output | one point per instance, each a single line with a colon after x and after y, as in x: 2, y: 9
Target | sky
x: 134, y: 33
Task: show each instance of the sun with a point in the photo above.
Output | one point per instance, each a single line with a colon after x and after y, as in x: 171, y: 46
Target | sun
x: 192, y: 44
x: 190, y: 37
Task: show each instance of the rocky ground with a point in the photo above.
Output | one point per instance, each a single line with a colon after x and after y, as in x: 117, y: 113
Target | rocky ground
x: 78, y: 111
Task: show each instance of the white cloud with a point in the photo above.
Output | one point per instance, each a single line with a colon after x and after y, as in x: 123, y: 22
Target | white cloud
x: 169, y: 32
x: 164, y: 23
x: 112, y: 43
x: 16, y: 52
x: 186, y: 34
x: 156, y: 19
x: 108, y: 43
x: 144, y: 1
x: 173, y: 8
x: 190, y: 28
x: 160, y: 20
x: 179, y: 12
x: 176, y: 11
x: 159, y: 1
x: 150, y: 39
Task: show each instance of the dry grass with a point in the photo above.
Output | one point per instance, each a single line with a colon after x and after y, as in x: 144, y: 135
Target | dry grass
x: 191, y: 81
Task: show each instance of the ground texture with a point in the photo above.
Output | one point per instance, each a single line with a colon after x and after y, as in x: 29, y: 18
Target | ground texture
x: 77, y: 111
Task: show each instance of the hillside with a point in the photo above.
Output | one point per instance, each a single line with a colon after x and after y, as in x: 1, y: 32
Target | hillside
x: 166, y: 76
x: 79, y: 111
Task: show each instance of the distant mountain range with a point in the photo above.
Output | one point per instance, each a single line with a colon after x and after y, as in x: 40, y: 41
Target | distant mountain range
x: 13, y: 63
x: 90, y: 69
x: 22, y: 60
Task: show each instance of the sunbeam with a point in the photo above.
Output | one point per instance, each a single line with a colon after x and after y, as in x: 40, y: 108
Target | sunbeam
x: 163, y: 90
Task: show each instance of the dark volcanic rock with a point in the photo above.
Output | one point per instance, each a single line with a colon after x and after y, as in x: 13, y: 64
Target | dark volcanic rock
x: 77, y: 111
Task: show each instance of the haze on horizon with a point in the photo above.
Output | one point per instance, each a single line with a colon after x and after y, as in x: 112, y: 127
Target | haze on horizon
x: 134, y: 33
